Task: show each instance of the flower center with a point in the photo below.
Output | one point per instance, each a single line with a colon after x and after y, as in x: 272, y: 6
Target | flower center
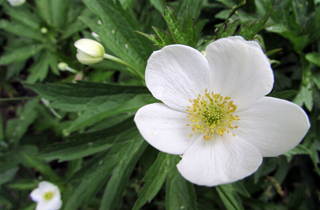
x: 48, y: 196
x: 212, y: 114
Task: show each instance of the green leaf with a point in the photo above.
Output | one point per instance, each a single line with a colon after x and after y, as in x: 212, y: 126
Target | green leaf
x: 44, y: 168
x: 17, y: 29
x: 83, y: 95
x: 180, y: 34
x: 158, y: 4
x: 113, y: 106
x: 154, y: 179
x: 17, y: 127
x: 59, y: 11
x: 229, y: 197
x: 89, y: 143
x: 113, y: 192
x: 228, y: 30
x: 99, y: 100
x: 180, y: 193
x: 248, y: 31
x: 8, y: 175
x: 92, y: 177
x: 189, y: 6
x: 76, y: 25
x: 117, y: 32
x: 24, y: 16
x: 305, y: 96
x: 21, y: 54
x: 298, y: 150
x: 39, y: 70
x: 44, y: 8
x: 313, y: 58
x: 286, y: 94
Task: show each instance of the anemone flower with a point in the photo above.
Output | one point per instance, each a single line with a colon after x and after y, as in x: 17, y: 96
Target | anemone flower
x: 47, y: 195
x: 215, y: 112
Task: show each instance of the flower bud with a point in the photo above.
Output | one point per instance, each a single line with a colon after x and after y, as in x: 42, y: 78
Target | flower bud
x: 16, y: 2
x: 89, y: 51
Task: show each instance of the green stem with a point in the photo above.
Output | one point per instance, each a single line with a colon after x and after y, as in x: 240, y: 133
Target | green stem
x: 132, y: 69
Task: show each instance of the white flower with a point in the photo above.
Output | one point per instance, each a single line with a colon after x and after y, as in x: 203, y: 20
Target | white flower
x: 215, y: 112
x: 47, y: 195
x: 16, y: 2
x: 89, y: 51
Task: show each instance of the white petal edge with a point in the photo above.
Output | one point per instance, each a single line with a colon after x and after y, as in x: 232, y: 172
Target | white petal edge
x: 90, y: 47
x: 239, y: 69
x: 164, y: 128
x: 37, y: 195
x: 177, y: 73
x: 220, y: 160
x: 273, y: 125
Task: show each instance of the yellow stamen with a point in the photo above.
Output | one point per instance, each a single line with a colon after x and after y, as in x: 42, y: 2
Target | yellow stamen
x: 212, y: 114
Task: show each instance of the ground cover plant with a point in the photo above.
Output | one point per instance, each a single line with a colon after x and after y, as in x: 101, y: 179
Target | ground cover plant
x: 180, y: 104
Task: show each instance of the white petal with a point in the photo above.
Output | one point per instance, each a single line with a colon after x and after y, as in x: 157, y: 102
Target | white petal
x: 49, y: 205
x: 90, y: 47
x: 164, y: 128
x: 37, y: 195
x: 220, y: 160
x: 273, y: 125
x: 239, y: 69
x: 85, y: 58
x: 177, y: 73
x: 47, y: 186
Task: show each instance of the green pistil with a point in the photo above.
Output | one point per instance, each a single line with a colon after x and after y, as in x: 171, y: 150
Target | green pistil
x: 48, y: 196
x: 213, y: 115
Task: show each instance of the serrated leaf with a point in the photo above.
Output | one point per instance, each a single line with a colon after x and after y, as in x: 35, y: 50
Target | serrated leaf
x: 164, y: 36
x: 21, y: 54
x: 229, y: 197
x: 81, y: 145
x: 248, y: 31
x: 180, y: 193
x: 154, y: 179
x: 117, y: 32
x: 113, y: 192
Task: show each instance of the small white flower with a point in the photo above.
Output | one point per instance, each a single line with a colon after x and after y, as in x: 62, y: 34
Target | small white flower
x: 47, y: 195
x: 89, y: 51
x: 16, y: 2
x: 215, y: 112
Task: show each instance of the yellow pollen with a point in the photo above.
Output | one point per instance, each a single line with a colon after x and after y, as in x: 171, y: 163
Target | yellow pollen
x: 212, y: 114
x: 48, y: 196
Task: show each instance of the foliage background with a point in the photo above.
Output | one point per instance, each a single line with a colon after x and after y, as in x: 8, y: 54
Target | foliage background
x: 80, y: 135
